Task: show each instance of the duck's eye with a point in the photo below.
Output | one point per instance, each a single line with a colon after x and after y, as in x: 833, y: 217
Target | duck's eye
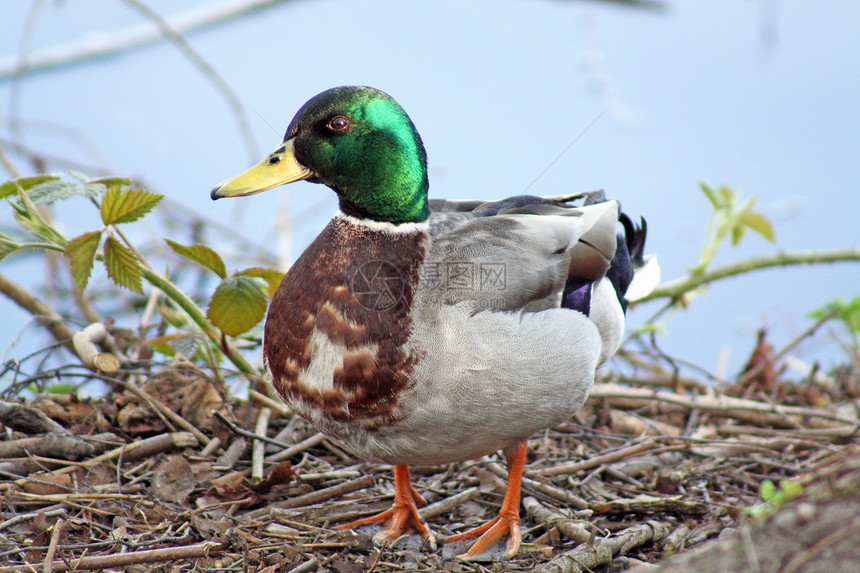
x: 338, y: 123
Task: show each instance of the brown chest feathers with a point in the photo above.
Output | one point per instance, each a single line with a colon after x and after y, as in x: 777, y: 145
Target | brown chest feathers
x: 336, y: 329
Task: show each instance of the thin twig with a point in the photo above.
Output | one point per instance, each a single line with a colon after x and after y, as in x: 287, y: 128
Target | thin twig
x: 564, y: 496
x: 162, y: 408
x: 724, y: 404
x: 208, y: 71
x: 52, y: 546
x: 306, y: 444
x: 13, y: 521
x: 235, y: 428
x: 275, y: 405
x: 134, y: 450
x: 51, y: 320
x: 587, y: 557
x: 572, y: 531
x: 314, y: 497
x: 116, y: 560
x: 258, y: 451
x: 449, y: 503
x: 677, y: 288
x: 573, y: 467
x: 116, y: 43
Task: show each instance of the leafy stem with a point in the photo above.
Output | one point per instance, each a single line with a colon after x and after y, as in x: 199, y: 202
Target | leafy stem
x: 197, y: 315
x: 125, y: 264
x: 730, y: 217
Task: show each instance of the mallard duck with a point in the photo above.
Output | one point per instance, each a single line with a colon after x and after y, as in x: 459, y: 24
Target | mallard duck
x: 428, y: 332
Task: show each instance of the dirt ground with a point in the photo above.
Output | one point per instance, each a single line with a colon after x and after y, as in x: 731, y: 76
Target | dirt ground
x: 166, y: 472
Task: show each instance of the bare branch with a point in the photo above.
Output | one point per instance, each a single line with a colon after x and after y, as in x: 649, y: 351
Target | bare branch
x: 677, y: 288
x: 104, y: 44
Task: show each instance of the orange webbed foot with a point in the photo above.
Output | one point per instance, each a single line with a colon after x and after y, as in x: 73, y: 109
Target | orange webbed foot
x: 507, y: 521
x: 402, y: 514
x: 490, y: 533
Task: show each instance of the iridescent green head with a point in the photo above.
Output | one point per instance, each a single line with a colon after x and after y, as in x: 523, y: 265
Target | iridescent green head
x: 359, y: 142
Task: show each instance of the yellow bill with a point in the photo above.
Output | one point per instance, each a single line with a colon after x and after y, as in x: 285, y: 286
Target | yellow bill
x: 278, y: 168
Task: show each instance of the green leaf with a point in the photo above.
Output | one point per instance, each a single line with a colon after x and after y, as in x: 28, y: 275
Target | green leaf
x: 7, y: 246
x: 172, y: 315
x: 162, y: 345
x: 834, y: 307
x: 767, y: 490
x: 237, y: 305
x: 52, y: 191
x: 790, y: 488
x: 10, y: 187
x: 202, y: 255
x: 737, y: 234
x: 111, y: 183
x: 746, y: 205
x: 122, y: 265
x: 120, y: 206
x: 186, y: 343
x: 272, y: 277
x: 28, y: 216
x: 710, y: 194
x: 79, y: 176
x: 648, y: 327
x: 81, y: 252
x: 758, y: 223
x: 849, y: 313
x: 727, y: 196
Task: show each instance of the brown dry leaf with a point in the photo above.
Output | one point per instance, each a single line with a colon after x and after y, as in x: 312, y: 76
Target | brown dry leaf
x: 97, y: 420
x: 344, y: 566
x: 667, y: 482
x: 232, y: 487
x: 128, y: 342
x: 137, y: 419
x: 40, y: 523
x: 201, y: 399
x: 281, y: 475
x: 211, y: 528
x: 81, y: 415
x: 487, y: 480
x: 188, y: 393
x: 815, y: 397
x: 229, y: 487
x: 97, y: 475
x: 765, y: 380
x: 48, y: 404
x: 471, y: 511
x: 47, y: 484
x: 39, y: 542
x: 173, y: 479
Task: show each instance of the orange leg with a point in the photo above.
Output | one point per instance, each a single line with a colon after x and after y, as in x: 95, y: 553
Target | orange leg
x: 509, y: 516
x: 404, y: 510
